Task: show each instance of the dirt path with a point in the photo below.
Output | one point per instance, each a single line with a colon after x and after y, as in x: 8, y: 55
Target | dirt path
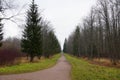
x: 61, y: 71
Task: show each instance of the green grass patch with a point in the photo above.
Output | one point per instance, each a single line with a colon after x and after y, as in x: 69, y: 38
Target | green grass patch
x: 30, y: 67
x: 83, y: 70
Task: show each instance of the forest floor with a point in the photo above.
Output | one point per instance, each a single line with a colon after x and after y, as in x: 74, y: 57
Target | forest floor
x: 61, y: 71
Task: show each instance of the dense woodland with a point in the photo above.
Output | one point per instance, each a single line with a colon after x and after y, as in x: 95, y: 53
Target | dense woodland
x: 99, y: 34
x: 38, y: 38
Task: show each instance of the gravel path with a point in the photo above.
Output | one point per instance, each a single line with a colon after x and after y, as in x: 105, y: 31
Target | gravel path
x: 61, y: 71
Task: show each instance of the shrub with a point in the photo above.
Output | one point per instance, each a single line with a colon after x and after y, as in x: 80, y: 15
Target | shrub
x: 8, y: 56
x: 10, y: 51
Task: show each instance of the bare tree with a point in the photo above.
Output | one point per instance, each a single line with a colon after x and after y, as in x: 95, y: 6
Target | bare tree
x: 100, y: 35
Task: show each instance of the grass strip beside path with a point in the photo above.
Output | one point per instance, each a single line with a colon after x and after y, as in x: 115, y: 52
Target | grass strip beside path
x: 30, y: 67
x: 82, y: 70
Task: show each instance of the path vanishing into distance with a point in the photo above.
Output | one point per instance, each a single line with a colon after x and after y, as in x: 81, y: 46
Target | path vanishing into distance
x: 61, y: 71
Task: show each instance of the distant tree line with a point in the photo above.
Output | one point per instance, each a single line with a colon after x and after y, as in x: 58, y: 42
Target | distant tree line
x: 49, y: 41
x: 38, y: 37
x: 99, y: 35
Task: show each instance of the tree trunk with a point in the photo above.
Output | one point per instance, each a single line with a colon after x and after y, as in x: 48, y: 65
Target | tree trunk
x: 31, y: 58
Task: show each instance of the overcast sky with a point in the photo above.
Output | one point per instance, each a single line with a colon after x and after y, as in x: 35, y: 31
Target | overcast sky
x: 64, y: 15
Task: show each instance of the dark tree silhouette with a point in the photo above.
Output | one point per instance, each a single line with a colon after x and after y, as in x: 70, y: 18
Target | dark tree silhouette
x: 1, y: 25
x: 50, y: 42
x: 65, y: 46
x: 32, y: 38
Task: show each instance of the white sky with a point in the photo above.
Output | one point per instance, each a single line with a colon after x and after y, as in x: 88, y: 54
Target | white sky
x: 64, y: 15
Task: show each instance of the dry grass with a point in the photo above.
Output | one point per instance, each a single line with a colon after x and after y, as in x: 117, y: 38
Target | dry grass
x: 26, y: 60
x: 22, y: 60
x: 104, y: 62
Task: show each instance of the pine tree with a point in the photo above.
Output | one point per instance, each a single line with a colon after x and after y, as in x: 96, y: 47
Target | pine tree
x: 53, y: 45
x: 76, y: 40
x: 1, y: 25
x: 65, y: 46
x: 1, y: 34
x: 32, y: 38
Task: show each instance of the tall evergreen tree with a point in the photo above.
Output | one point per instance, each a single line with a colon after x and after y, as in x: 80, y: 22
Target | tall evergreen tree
x: 32, y: 38
x: 65, y: 46
x: 1, y: 34
x: 53, y: 45
x: 76, y: 45
x: 1, y: 25
x: 50, y: 42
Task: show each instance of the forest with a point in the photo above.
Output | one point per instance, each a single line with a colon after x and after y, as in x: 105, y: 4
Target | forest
x: 99, y: 34
x: 90, y: 52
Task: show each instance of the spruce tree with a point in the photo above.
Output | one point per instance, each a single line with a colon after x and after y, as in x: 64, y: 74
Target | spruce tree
x: 1, y: 25
x: 65, y: 46
x: 32, y: 38
x: 1, y: 34
x: 76, y: 40
x: 53, y: 45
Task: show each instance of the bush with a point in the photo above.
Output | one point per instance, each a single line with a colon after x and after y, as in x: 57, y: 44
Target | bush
x: 8, y: 56
x: 10, y: 52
